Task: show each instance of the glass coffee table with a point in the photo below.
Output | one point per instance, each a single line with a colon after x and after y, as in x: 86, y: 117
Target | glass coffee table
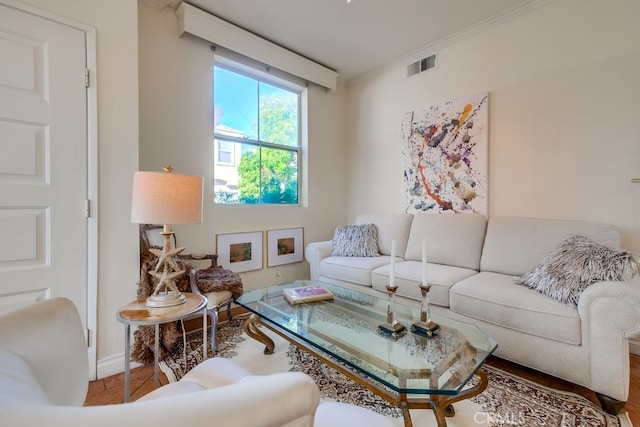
x: 410, y: 371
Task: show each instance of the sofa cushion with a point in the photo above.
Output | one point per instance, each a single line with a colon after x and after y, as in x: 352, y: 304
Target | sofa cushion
x: 17, y: 382
x: 351, y: 269
x: 514, y: 245
x: 452, y: 239
x: 391, y: 226
x: 408, y: 275
x: 172, y: 389
x: 495, y: 298
x: 216, y: 372
x: 359, y: 240
x: 574, y: 265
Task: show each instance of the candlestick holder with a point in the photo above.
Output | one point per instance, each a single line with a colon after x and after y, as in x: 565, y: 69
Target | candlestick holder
x: 425, y: 326
x: 392, y: 326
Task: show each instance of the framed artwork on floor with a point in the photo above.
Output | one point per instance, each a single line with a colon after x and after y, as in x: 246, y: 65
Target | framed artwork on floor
x: 240, y: 252
x: 284, y: 246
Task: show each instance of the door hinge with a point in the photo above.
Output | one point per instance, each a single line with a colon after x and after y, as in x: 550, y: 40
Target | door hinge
x: 88, y: 337
x: 86, y: 77
x: 87, y: 208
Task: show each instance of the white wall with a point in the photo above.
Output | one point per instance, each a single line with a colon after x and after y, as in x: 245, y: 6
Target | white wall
x: 176, y: 127
x: 564, y: 102
x: 117, y: 59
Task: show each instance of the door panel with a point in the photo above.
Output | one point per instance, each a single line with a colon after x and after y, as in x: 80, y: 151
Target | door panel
x: 43, y: 161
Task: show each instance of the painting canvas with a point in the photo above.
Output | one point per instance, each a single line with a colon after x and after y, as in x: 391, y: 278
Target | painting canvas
x: 445, y: 154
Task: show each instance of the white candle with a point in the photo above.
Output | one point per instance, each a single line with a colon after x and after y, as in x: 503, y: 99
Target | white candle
x: 392, y: 278
x: 424, y: 261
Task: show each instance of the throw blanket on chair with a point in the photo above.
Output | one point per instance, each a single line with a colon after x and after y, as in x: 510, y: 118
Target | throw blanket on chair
x: 216, y: 278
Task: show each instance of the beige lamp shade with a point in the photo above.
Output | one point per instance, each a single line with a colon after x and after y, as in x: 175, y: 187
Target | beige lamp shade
x: 166, y: 198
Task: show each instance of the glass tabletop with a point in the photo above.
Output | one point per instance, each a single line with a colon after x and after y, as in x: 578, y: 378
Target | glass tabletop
x: 346, y: 328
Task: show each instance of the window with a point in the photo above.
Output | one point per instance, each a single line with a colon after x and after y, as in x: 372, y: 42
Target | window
x: 257, y: 140
x: 224, y: 153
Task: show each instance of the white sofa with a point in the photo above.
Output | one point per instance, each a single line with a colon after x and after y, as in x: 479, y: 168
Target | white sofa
x: 44, y: 380
x: 472, y: 266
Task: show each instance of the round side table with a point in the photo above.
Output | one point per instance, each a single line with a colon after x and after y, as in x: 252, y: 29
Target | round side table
x: 136, y: 313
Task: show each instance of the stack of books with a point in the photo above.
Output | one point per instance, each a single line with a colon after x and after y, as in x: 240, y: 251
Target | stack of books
x: 307, y: 294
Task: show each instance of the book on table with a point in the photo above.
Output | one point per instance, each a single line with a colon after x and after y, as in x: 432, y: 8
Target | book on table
x: 307, y: 294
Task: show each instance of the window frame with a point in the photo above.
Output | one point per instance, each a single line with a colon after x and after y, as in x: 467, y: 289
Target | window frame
x: 262, y: 77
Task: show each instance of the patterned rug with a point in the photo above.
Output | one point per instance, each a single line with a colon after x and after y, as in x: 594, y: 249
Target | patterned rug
x: 507, y: 401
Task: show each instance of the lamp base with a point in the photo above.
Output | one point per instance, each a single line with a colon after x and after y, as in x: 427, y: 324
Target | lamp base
x: 165, y: 299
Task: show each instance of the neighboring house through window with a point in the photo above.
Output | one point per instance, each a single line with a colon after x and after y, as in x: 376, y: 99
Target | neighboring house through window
x: 257, y: 139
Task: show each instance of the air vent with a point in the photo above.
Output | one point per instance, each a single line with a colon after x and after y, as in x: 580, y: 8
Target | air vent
x: 421, y: 66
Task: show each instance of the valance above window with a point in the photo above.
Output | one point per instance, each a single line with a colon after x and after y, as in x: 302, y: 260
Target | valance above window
x: 222, y: 33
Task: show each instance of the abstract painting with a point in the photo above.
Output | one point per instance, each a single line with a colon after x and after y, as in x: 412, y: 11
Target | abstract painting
x: 445, y: 153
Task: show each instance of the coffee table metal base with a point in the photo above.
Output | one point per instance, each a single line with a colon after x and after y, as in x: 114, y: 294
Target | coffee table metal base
x: 250, y: 327
x: 442, y: 405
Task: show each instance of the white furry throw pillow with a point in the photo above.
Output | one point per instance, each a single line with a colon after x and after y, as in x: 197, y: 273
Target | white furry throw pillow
x: 359, y: 240
x: 574, y: 265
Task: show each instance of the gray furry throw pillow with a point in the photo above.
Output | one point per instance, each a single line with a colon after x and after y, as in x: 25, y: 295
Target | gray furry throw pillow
x: 359, y: 240
x: 574, y: 265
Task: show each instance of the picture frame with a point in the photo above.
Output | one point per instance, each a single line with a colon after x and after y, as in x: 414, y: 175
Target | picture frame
x: 240, y: 252
x: 285, y: 246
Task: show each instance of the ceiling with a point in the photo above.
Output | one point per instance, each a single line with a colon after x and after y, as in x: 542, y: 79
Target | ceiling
x: 361, y: 35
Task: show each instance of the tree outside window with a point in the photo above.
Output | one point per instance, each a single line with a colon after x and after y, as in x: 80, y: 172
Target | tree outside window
x: 261, y: 122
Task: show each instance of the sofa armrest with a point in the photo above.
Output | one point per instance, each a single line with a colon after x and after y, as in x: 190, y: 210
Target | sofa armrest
x: 626, y: 294
x: 250, y: 402
x: 48, y: 335
x: 316, y: 252
x: 610, y: 315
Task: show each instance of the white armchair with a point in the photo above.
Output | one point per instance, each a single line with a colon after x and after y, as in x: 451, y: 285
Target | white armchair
x: 44, y: 381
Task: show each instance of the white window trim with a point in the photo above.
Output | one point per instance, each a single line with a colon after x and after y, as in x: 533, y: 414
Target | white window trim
x: 242, y: 67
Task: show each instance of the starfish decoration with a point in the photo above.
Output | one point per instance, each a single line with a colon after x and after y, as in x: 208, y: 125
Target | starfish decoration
x: 166, y: 262
x: 166, y: 280
x: 166, y: 257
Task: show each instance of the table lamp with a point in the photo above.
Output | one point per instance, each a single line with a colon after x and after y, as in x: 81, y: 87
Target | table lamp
x: 166, y: 198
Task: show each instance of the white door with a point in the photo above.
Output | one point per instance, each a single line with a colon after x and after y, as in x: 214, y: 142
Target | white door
x: 43, y: 161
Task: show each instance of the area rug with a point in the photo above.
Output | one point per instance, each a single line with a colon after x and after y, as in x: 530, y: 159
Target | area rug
x: 507, y: 401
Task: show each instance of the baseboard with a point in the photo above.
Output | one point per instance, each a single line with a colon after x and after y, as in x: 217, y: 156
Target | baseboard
x: 113, y: 365
x: 634, y: 345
